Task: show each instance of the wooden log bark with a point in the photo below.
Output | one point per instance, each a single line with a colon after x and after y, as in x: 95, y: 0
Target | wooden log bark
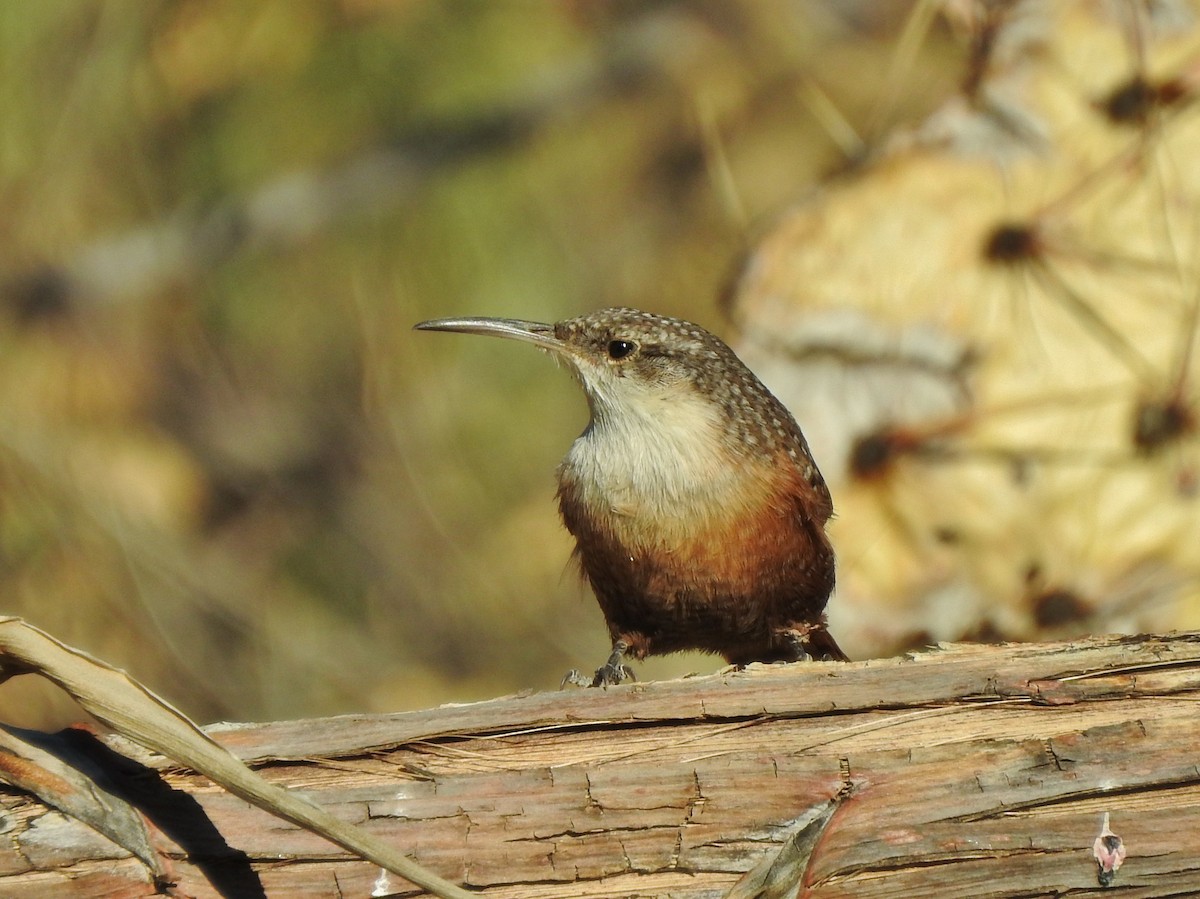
x: 964, y: 771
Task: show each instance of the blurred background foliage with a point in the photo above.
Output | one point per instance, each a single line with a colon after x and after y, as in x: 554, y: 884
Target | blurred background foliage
x: 229, y: 465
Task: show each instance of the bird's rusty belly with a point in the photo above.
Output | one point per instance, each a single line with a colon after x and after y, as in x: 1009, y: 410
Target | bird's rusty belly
x: 717, y: 588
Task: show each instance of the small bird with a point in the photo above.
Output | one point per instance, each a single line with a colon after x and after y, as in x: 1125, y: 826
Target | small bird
x: 697, y: 509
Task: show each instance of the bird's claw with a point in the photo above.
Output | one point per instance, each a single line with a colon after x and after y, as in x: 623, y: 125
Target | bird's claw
x: 609, y: 674
x: 614, y: 671
x: 575, y: 678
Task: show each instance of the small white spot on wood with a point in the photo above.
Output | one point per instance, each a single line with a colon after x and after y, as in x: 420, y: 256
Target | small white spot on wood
x: 382, y: 885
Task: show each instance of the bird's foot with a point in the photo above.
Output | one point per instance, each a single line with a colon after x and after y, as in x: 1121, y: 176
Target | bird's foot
x: 612, y: 674
x: 614, y: 671
x: 575, y: 678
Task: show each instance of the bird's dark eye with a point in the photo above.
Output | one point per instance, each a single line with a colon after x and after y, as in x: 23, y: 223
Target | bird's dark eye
x: 619, y: 349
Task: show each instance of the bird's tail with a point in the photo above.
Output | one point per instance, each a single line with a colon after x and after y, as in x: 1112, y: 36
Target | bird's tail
x: 820, y: 645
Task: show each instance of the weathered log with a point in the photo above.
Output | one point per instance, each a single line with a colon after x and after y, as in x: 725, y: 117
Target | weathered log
x: 967, y: 770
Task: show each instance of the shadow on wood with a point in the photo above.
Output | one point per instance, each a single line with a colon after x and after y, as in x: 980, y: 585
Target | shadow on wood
x: 967, y: 770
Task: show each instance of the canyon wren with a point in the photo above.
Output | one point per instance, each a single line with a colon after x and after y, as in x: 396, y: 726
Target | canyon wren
x: 697, y: 509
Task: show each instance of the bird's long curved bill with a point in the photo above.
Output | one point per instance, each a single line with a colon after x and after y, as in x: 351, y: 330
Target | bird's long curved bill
x: 537, y: 333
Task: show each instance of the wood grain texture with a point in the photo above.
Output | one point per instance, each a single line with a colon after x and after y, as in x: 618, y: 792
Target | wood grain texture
x: 967, y: 770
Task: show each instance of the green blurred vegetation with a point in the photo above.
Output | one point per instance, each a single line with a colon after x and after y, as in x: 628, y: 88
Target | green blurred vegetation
x: 228, y: 465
